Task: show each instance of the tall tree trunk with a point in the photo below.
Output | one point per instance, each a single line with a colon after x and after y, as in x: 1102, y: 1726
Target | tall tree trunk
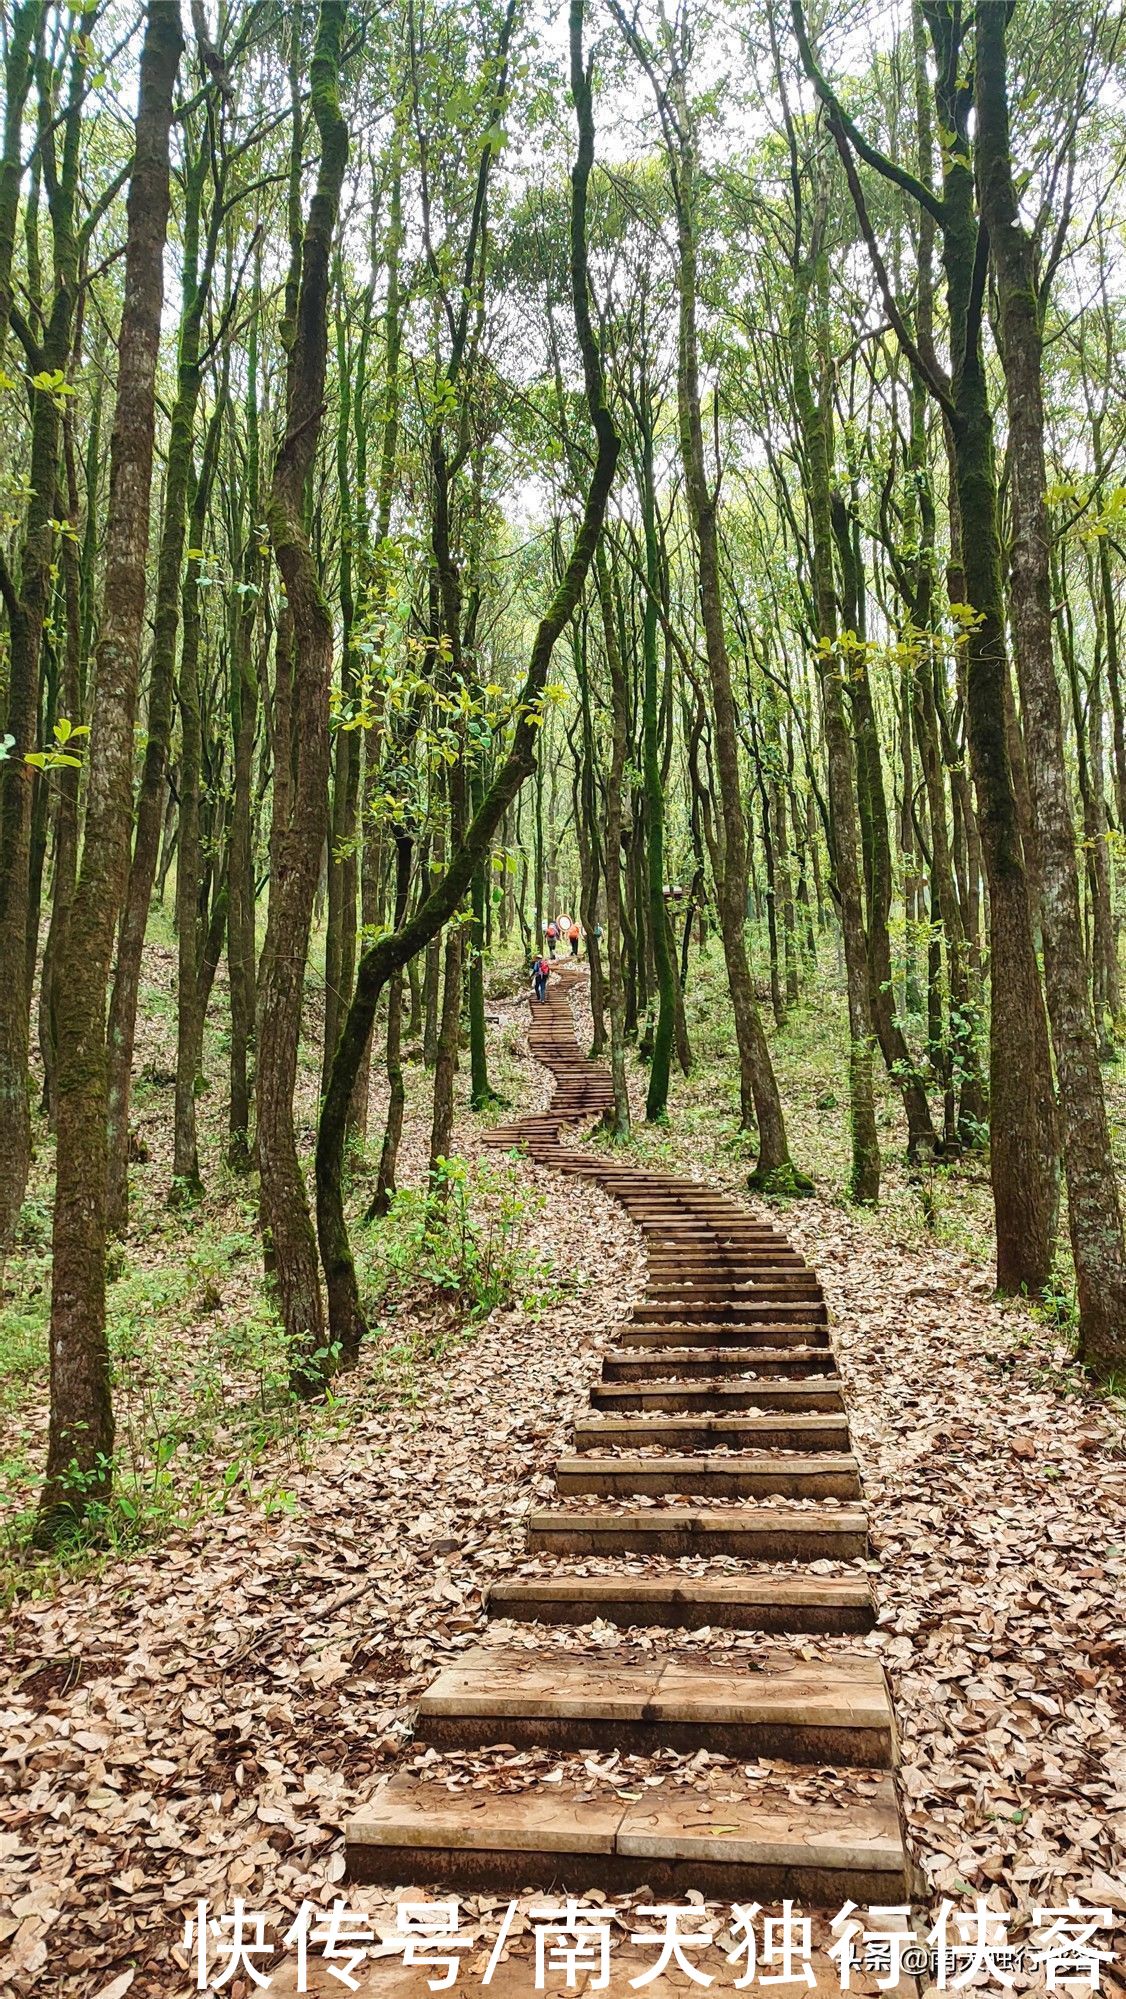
x: 620, y: 1122
x: 377, y: 964
x: 396, y: 1088
x: 162, y: 675
x: 660, y: 1063
x: 66, y: 815
x: 27, y: 600
x: 241, y: 938
x: 875, y: 839
x: 385, y: 493
x: 760, y: 1103
x: 191, y: 1005
x: 864, y: 1184
x: 1094, y: 1213
x: 19, y: 62
x: 286, y: 1223
x: 81, y: 1438
x: 1022, y: 1148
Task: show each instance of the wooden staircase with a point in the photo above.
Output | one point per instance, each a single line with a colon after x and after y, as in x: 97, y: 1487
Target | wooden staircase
x: 720, y: 1404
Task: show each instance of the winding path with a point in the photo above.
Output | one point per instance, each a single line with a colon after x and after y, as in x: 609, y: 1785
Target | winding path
x: 721, y: 1407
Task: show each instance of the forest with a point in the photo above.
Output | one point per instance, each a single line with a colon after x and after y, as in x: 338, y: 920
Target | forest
x: 640, y: 485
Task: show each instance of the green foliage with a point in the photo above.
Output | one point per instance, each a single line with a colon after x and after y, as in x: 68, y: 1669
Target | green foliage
x: 465, y: 1238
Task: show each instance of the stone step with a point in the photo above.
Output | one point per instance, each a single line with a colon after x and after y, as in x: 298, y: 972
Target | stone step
x: 754, y: 1534
x: 691, y: 1385
x: 703, y: 1431
x: 711, y: 1477
x: 765, y: 1847
x: 750, y: 1602
x: 833, y: 1710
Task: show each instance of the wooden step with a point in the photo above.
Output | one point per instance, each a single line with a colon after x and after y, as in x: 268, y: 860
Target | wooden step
x: 703, y: 1431
x: 711, y: 1477
x: 764, y: 1847
x: 732, y: 1289
x: 833, y: 1710
x: 800, y: 1338
x: 737, y: 1267
x: 750, y: 1602
x: 702, y: 1229
x: 691, y: 1385
x: 660, y: 1205
x: 768, y: 1310
x: 755, y: 1534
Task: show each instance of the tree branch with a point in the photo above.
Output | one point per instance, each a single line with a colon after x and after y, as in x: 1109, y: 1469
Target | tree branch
x: 871, y: 155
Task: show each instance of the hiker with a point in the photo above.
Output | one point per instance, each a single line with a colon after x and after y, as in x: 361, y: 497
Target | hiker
x: 573, y: 936
x: 540, y: 974
x: 552, y: 934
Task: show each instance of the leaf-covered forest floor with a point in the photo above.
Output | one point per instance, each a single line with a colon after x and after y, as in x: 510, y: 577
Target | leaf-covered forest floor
x: 196, y: 1712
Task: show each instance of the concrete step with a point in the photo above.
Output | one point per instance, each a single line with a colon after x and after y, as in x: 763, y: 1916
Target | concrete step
x: 749, y: 1602
x: 711, y: 1477
x: 833, y: 1710
x: 703, y: 1431
x: 754, y: 1534
x: 762, y: 1846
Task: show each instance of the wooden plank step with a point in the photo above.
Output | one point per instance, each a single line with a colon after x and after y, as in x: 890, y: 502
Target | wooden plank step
x: 750, y: 1602
x: 736, y: 1286
x: 707, y: 1333
x: 767, y: 1847
x: 755, y: 1534
x: 753, y: 1311
x: 744, y: 1477
x: 659, y: 1204
x: 672, y: 1237
x: 700, y: 1431
x: 705, y: 1264
x: 832, y: 1710
x: 691, y: 1385
x: 659, y: 1213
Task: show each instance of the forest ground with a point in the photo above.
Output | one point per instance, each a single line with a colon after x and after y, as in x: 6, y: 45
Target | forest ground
x: 196, y: 1713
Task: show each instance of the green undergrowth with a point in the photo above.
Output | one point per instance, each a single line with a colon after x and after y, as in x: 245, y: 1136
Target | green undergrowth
x: 205, y: 1413
x: 464, y: 1244
x: 938, y: 1203
x: 201, y: 1394
x: 947, y: 1203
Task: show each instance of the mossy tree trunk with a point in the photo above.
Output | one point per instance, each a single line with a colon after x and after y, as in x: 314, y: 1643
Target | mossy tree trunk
x: 760, y: 1103
x: 198, y: 265
x: 832, y: 666
x: 377, y: 964
x: 81, y: 1436
x: 1094, y: 1212
x: 299, y: 843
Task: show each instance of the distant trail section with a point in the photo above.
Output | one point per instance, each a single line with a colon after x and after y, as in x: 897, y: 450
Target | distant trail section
x: 711, y: 1485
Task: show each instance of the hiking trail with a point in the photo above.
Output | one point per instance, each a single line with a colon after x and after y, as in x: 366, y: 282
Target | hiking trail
x: 720, y: 1407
